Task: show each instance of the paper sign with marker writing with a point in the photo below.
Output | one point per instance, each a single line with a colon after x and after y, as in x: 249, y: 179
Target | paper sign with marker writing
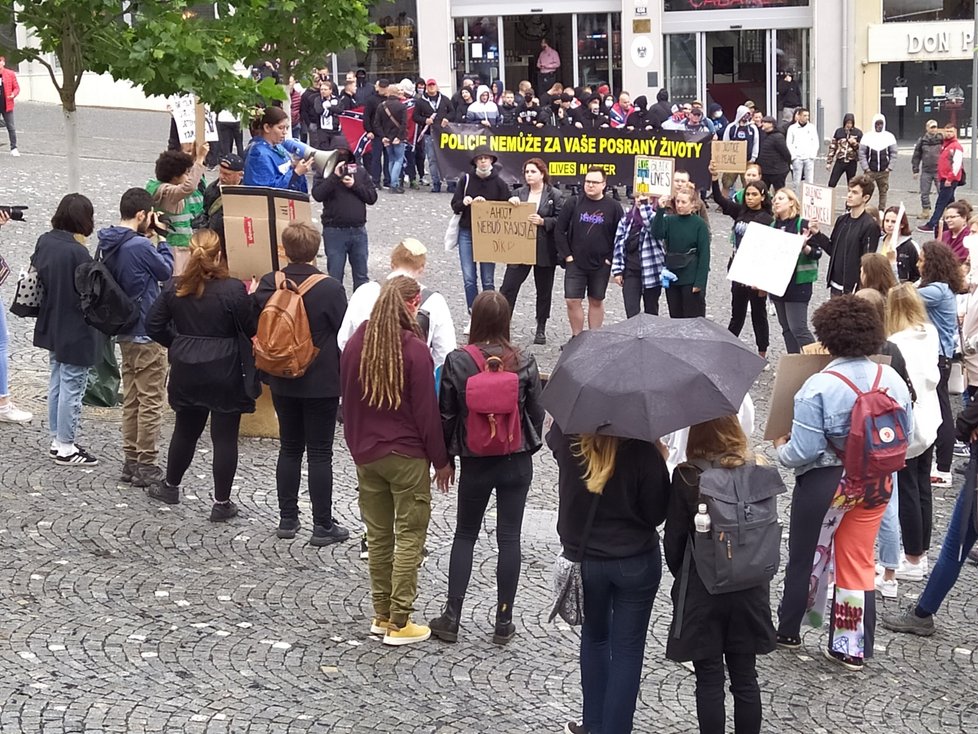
x: 653, y: 176
x: 766, y: 258
x: 502, y: 233
x: 729, y: 156
x: 816, y: 203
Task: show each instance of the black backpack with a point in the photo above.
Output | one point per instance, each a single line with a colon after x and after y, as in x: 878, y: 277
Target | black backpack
x: 104, y: 304
x: 423, y: 317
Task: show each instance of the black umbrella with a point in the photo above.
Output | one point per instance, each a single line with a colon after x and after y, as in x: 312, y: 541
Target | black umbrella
x: 648, y: 376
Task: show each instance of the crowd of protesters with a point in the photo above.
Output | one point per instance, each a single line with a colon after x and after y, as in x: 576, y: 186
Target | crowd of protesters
x: 390, y: 355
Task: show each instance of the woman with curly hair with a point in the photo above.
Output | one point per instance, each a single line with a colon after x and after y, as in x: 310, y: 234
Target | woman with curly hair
x: 832, y: 520
x: 198, y: 318
x: 941, y: 280
x: 394, y: 433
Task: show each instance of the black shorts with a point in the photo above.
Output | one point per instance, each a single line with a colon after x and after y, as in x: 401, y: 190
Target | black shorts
x: 577, y: 282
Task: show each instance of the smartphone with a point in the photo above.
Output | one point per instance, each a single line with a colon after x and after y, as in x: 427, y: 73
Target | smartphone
x: 351, y: 169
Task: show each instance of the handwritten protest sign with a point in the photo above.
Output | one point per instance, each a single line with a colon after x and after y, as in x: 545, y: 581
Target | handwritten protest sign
x: 816, y: 203
x: 254, y: 218
x: 766, y: 258
x: 653, y: 176
x: 184, y: 110
x: 502, y: 233
x: 729, y: 156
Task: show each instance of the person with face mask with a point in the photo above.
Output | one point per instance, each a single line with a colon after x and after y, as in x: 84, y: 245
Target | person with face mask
x: 484, y: 110
x: 877, y: 154
x: 139, y: 266
x: 743, y: 128
x: 591, y: 116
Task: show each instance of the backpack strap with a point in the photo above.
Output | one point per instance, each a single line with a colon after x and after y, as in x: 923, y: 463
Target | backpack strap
x: 876, y: 382
x: 309, y: 282
x: 476, y: 355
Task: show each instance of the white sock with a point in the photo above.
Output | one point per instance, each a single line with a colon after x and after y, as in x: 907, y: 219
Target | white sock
x: 66, y: 449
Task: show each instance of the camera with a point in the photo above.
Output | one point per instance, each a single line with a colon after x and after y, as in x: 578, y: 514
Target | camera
x: 351, y: 169
x: 16, y: 213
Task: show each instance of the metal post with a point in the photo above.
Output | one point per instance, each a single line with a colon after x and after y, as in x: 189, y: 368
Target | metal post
x: 974, y: 102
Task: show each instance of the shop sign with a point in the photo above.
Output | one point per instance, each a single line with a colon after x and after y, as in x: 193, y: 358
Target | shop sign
x: 937, y: 41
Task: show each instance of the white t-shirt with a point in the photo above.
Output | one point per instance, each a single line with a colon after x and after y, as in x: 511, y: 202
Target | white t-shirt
x: 441, y: 329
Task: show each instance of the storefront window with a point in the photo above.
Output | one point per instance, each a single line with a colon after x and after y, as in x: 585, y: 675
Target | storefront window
x: 931, y: 90
x: 476, y: 49
x: 680, y: 5
x: 736, y: 68
x: 598, y: 41
x: 903, y: 11
x: 681, y: 66
x: 392, y: 54
x: 793, y: 61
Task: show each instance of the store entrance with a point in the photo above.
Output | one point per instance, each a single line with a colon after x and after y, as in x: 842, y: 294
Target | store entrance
x: 522, y: 37
x: 735, y: 68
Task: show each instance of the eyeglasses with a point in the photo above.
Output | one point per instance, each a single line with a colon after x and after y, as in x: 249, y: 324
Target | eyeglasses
x: 591, y: 181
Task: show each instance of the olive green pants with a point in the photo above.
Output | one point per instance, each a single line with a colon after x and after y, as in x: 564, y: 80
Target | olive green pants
x: 395, y: 504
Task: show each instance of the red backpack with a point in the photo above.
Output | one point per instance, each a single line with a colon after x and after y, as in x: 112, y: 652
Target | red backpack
x: 878, y: 436
x: 492, y: 396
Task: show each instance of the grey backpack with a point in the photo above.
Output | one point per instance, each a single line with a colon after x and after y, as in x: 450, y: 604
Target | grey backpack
x: 743, y: 548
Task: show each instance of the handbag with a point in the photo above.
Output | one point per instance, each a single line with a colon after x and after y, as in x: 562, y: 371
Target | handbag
x: 451, y: 234
x: 679, y: 260
x: 956, y: 381
x: 29, y: 295
x: 568, y: 583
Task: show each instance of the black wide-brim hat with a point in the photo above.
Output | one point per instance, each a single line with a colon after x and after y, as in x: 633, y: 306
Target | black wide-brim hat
x: 481, y: 151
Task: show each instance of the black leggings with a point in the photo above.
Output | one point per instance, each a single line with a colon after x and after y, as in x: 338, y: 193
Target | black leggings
x: 511, y: 476
x: 634, y: 293
x: 742, y: 296
x: 849, y: 169
x: 224, y: 437
x: 743, y: 685
x: 543, y: 278
x: 916, y: 503
x: 944, y: 448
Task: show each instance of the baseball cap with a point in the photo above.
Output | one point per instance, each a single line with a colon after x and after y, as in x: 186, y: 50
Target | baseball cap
x: 604, y: 89
x: 430, y: 81
x: 232, y: 162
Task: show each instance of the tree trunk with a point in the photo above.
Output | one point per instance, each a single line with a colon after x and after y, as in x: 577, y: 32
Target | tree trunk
x: 71, y: 138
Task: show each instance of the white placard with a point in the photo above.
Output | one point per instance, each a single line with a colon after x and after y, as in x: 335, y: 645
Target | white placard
x: 816, y: 203
x: 184, y: 111
x: 766, y: 258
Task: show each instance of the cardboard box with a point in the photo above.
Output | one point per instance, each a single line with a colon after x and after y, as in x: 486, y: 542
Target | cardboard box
x: 254, y: 217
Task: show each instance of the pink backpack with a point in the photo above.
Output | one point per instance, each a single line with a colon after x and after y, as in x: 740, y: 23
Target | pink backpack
x: 492, y: 396
x: 878, y: 436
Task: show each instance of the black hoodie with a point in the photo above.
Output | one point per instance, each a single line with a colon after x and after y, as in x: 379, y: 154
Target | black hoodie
x: 491, y: 188
x: 774, y: 157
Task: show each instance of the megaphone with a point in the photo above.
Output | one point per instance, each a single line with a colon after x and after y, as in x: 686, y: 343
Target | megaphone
x: 323, y: 161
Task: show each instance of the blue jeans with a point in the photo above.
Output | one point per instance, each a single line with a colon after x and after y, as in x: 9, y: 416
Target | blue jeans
x: 618, y: 596
x: 4, y: 352
x: 376, y: 151
x: 888, y: 538
x: 960, y: 539
x: 65, y: 393
x: 487, y: 271
x: 430, y: 144
x: 945, y: 195
x: 395, y: 165
x: 341, y: 243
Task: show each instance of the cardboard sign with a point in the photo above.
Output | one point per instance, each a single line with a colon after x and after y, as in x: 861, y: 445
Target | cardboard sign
x: 502, y: 233
x: 766, y: 258
x: 793, y: 370
x: 729, y: 156
x: 254, y: 217
x: 184, y: 110
x: 816, y: 203
x: 653, y: 176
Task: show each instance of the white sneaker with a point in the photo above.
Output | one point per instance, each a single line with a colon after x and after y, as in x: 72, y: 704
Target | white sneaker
x: 887, y: 589
x: 910, y: 571
x: 940, y: 479
x: 468, y: 325
x: 10, y: 413
x: 925, y: 564
x: 15, y: 153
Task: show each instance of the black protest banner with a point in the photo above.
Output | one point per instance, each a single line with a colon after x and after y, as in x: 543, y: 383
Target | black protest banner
x: 569, y: 152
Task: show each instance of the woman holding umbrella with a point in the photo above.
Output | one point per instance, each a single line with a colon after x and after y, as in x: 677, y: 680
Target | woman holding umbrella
x: 830, y: 518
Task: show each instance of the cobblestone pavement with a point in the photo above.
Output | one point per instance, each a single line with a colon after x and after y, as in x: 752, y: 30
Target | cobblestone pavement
x: 119, y: 615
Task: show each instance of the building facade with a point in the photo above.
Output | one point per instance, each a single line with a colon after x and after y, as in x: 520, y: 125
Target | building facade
x: 909, y: 59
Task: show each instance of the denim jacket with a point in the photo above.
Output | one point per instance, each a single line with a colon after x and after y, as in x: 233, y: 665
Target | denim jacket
x: 822, y: 410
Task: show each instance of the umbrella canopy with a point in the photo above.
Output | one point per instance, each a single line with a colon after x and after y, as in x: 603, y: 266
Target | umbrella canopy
x: 648, y: 376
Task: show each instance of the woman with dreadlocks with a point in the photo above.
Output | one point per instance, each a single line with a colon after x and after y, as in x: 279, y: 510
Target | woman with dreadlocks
x: 394, y: 433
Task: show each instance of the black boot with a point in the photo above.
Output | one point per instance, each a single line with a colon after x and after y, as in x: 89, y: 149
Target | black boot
x: 541, y: 336
x: 445, y: 627
x: 505, y: 629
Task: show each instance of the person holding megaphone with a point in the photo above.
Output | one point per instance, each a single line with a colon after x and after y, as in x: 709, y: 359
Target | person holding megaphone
x: 269, y: 162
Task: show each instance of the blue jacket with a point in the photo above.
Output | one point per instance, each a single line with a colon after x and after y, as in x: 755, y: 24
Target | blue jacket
x: 823, y: 407
x: 268, y: 165
x: 139, y: 267
x: 942, y: 310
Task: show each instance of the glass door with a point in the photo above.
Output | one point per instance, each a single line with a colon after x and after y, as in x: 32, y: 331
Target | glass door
x: 599, y: 49
x: 736, y: 68
x: 476, y: 49
x: 681, y: 65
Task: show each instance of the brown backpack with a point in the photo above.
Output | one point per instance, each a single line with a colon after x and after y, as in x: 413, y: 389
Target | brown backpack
x: 283, y: 344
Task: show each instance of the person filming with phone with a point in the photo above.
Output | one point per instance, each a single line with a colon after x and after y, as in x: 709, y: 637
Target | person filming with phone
x: 345, y: 194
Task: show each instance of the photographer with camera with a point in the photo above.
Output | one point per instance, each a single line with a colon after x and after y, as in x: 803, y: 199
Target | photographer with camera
x: 9, y: 413
x: 138, y: 266
x: 345, y: 194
